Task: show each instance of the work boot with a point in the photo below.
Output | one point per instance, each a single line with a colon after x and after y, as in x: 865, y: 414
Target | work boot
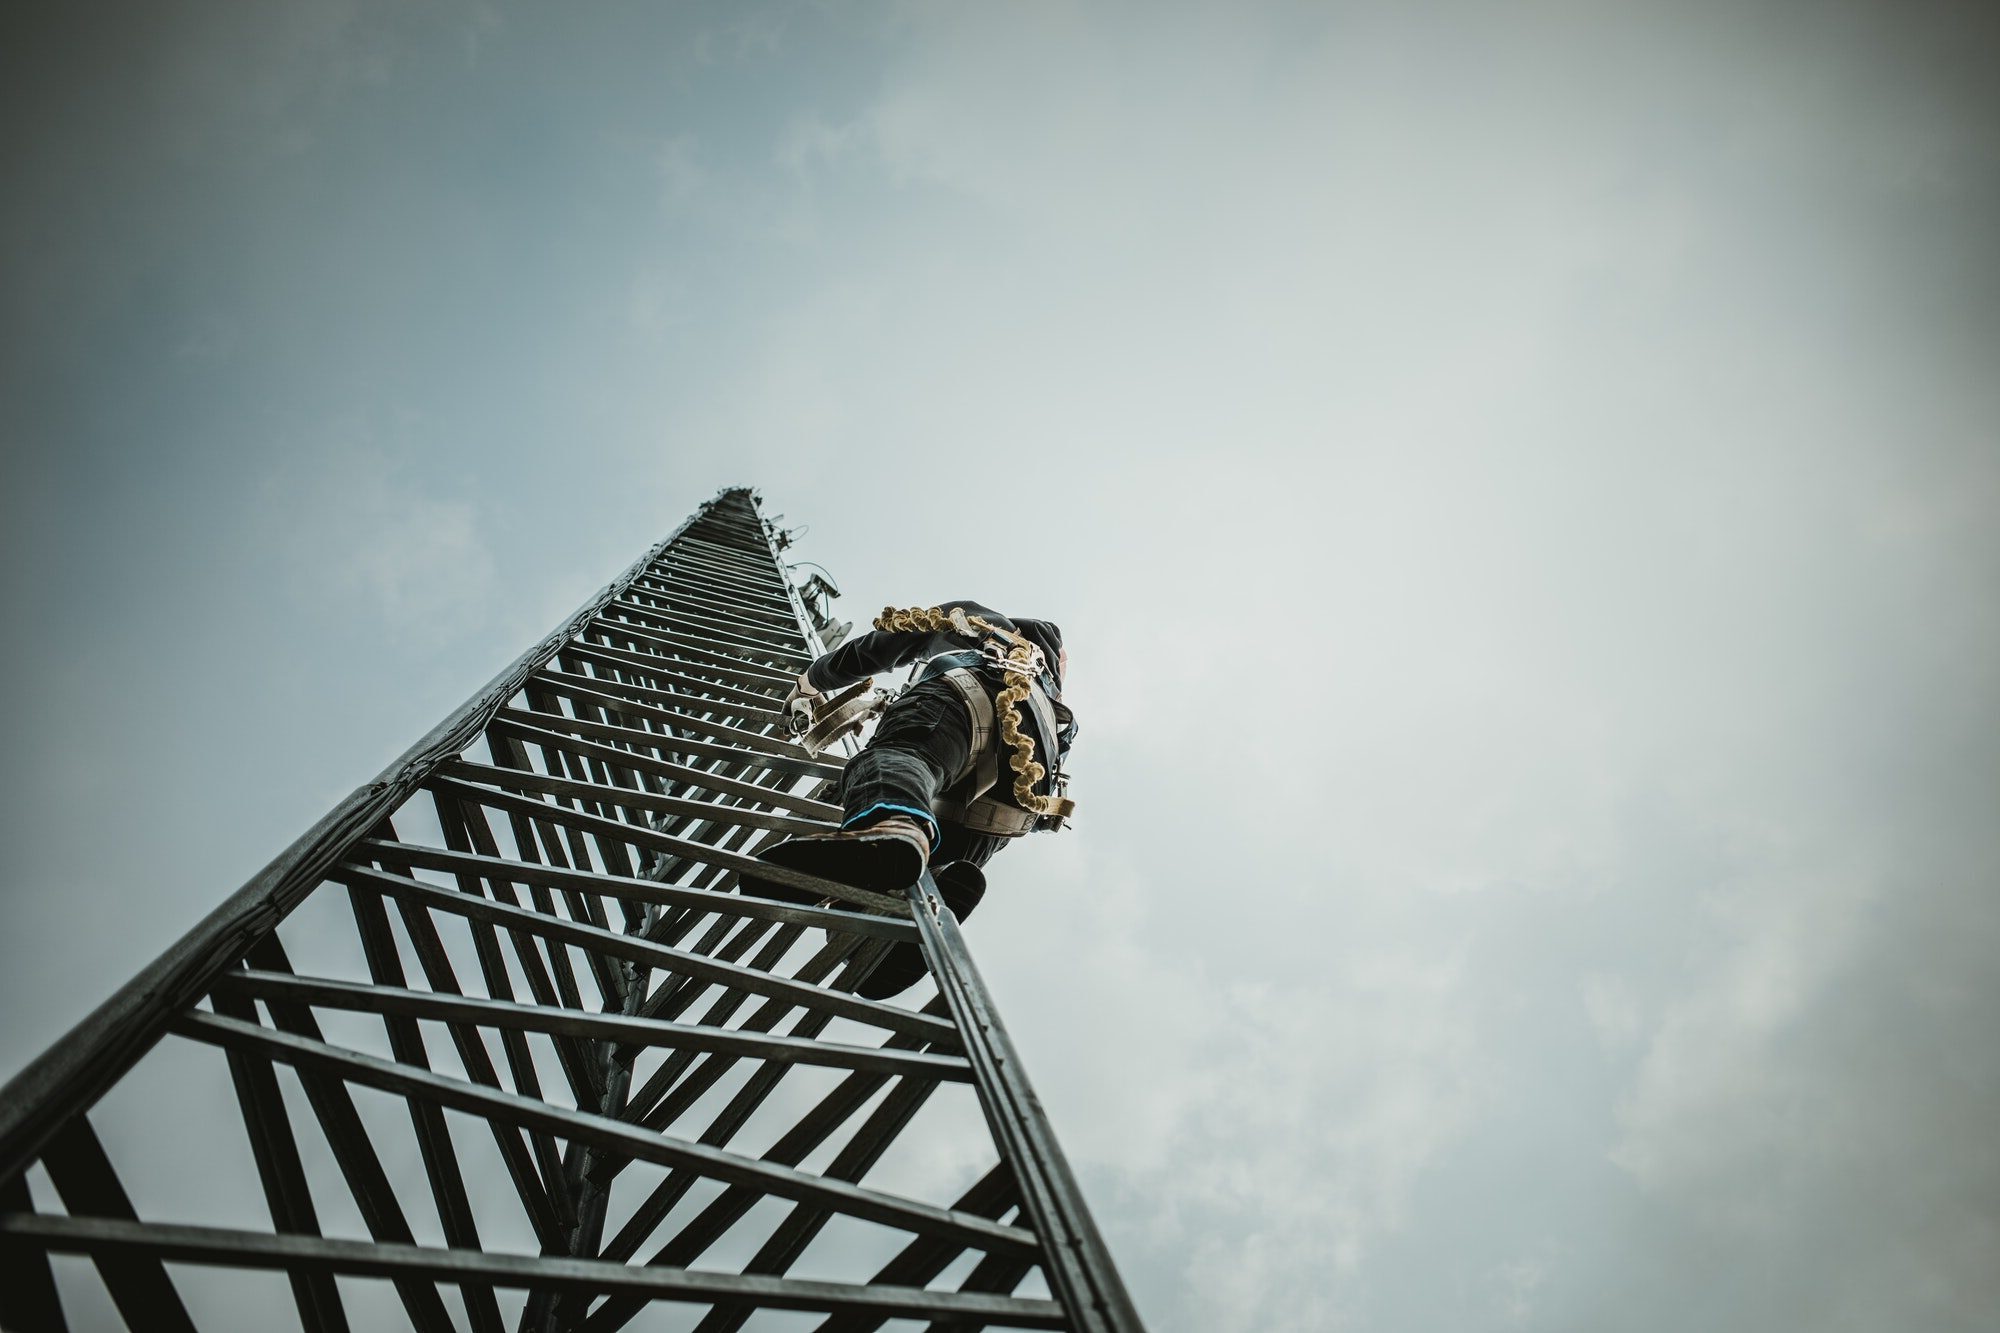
x: 886, y: 856
x: 961, y: 884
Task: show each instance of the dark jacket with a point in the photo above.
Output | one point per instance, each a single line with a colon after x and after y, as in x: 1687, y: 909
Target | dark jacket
x: 877, y: 651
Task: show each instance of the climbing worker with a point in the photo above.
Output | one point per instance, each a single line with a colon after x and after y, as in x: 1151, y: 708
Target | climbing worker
x: 966, y: 758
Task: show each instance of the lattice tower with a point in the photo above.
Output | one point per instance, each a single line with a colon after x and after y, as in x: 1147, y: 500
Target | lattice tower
x: 497, y: 1043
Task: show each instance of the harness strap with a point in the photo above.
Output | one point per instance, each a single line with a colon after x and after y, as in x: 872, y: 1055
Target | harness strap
x: 979, y: 706
x: 965, y: 802
x: 987, y: 815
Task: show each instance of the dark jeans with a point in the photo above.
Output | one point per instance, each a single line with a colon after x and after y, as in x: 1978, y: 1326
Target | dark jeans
x: 919, y: 746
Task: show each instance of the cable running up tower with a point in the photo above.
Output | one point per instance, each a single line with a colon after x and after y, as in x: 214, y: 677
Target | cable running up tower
x: 500, y: 1029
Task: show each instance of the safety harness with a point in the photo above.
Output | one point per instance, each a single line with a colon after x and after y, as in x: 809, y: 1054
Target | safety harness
x: 965, y: 800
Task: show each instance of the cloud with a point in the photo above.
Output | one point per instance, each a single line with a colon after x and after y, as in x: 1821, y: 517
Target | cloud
x: 1514, y: 1287
x: 682, y: 175
x: 1716, y: 1100
x: 809, y: 140
x: 1614, y: 1010
x: 1519, y: 486
x: 1480, y: 501
x: 357, y: 528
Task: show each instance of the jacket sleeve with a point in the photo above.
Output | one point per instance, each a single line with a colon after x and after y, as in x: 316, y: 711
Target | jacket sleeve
x: 865, y: 654
x: 885, y: 650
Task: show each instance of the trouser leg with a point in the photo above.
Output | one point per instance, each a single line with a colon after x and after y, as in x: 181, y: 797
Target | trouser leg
x: 918, y: 748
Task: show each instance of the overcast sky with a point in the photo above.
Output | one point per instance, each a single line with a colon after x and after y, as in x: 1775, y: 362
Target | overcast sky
x: 1520, y: 484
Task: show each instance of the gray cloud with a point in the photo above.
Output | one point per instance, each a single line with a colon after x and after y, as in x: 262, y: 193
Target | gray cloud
x: 1524, y: 521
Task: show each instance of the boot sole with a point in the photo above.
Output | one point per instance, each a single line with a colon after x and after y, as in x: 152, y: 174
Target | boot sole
x: 885, y: 865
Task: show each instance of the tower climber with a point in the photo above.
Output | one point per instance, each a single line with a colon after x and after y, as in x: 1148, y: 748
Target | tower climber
x: 929, y: 789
